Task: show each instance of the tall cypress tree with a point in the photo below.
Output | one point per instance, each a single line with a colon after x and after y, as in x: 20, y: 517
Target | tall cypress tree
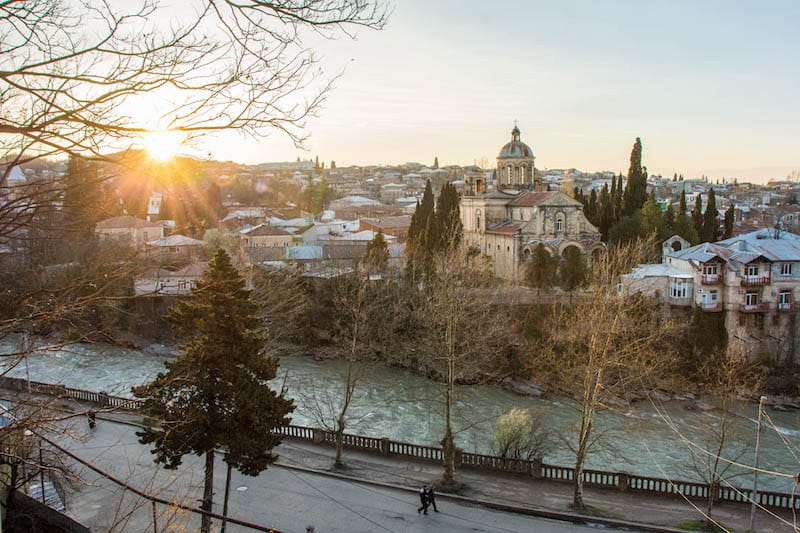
x: 635, y: 193
x: 711, y: 219
x: 697, y: 217
x: 682, y: 205
x: 591, y: 207
x: 617, y: 197
x: 448, y: 218
x: 729, y: 219
x: 215, y: 394
x: 83, y: 201
x: 606, y: 214
x: 423, y: 234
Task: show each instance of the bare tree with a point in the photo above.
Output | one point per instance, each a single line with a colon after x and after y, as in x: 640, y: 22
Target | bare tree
x: 604, y: 350
x: 462, y: 333
x: 713, y: 458
x: 521, y: 434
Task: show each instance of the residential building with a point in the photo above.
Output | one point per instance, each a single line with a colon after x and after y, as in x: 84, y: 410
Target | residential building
x: 265, y: 235
x: 175, y: 248
x: 160, y: 282
x: 135, y: 231
x: 754, y: 279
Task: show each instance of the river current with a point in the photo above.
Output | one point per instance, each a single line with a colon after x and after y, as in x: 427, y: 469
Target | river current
x: 647, y: 440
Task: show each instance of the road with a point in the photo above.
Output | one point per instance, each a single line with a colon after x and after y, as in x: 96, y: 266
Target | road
x: 286, y: 499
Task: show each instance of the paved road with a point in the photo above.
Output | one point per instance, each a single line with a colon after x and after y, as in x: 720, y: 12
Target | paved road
x: 286, y: 499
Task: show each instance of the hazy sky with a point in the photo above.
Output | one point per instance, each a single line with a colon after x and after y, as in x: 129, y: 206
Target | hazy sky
x: 711, y: 87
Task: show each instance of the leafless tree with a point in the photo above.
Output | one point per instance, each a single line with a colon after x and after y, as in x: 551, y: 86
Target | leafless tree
x: 604, y: 350
x: 462, y: 333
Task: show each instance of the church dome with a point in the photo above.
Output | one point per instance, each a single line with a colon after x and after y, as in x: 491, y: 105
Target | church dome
x: 516, y: 148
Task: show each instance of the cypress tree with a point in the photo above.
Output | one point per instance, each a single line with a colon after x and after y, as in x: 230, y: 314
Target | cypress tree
x: 82, y: 204
x: 215, y: 394
x: 422, y: 235
x: 682, y: 205
x: 711, y: 219
x: 617, y: 196
x: 669, y: 217
x: 729, y: 218
x: 606, y: 215
x: 591, y: 207
x: 377, y: 254
x: 436, y: 162
x: 635, y: 193
x: 540, y: 272
x: 448, y: 218
x: 697, y: 217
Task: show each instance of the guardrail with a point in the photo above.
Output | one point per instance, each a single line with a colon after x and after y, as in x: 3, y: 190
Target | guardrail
x: 534, y: 468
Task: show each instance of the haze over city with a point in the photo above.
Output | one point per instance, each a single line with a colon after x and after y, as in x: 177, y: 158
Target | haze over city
x: 709, y: 87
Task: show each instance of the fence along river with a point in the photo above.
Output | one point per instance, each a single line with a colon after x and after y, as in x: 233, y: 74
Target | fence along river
x: 396, y: 404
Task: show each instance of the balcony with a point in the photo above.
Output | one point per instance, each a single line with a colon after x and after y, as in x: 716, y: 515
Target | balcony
x: 754, y: 308
x: 786, y: 307
x: 711, y: 279
x: 680, y: 301
x: 754, y: 281
x: 711, y: 307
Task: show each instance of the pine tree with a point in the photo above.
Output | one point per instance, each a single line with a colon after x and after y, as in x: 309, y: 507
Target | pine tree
x: 729, y: 219
x: 215, y: 394
x: 635, y: 193
x: 711, y: 219
x: 436, y: 162
x: 697, y: 216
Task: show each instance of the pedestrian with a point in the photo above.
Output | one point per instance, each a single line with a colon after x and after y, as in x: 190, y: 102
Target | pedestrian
x: 432, y: 498
x: 423, y: 498
x: 92, y: 419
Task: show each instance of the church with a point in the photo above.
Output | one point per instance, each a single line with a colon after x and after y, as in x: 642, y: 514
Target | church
x: 508, y: 222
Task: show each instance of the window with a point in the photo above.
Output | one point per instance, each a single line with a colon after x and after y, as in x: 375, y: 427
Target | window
x: 786, y: 269
x: 478, y: 219
x: 752, y: 270
x: 710, y: 270
x: 710, y: 297
x: 785, y: 297
x: 680, y: 289
x: 559, y: 225
x: 175, y: 249
x: 751, y: 298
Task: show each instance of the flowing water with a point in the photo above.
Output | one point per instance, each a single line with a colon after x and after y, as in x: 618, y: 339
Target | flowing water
x: 389, y: 402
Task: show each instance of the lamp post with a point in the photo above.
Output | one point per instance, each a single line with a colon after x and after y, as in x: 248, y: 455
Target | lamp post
x: 754, y: 495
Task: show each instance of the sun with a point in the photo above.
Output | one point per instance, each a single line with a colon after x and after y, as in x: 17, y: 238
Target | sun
x: 163, y: 145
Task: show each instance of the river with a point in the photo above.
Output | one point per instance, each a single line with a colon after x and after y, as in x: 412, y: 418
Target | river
x: 394, y: 403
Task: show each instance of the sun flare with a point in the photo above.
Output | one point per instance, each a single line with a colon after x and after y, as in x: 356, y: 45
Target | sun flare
x: 163, y: 145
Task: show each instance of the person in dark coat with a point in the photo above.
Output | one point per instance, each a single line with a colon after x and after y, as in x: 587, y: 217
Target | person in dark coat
x: 92, y: 419
x: 423, y: 498
x: 432, y: 498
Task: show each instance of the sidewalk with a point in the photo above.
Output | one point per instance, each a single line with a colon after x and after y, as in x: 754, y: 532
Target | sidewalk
x: 520, y: 491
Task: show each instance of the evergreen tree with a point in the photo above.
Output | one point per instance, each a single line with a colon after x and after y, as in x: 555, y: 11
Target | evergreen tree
x: 215, y: 394
x: 333, y: 165
x: 617, y: 213
x: 377, y: 254
x: 682, y: 205
x: 613, y: 195
x: 675, y: 177
x: 635, y: 193
x: 711, y: 219
x: 684, y: 227
x: 316, y: 163
x: 83, y: 204
x: 669, y: 217
x: 729, y: 219
x: 697, y: 216
x: 448, y: 219
x: 591, y: 207
x: 652, y: 220
x: 626, y: 230
x: 540, y: 272
x: 436, y: 162
x: 606, y: 214
x: 422, y: 235
x: 574, y: 272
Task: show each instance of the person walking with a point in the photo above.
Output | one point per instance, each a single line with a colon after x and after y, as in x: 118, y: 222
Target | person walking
x: 423, y: 498
x: 92, y: 419
x: 432, y: 498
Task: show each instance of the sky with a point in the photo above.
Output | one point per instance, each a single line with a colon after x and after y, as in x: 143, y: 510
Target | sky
x: 711, y: 87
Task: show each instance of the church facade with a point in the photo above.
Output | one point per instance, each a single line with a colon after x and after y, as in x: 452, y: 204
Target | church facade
x: 508, y: 222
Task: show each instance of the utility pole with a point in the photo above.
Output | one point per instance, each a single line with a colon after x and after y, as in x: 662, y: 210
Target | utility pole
x: 754, y: 495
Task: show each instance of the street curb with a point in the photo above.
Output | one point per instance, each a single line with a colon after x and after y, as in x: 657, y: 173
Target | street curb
x: 490, y: 504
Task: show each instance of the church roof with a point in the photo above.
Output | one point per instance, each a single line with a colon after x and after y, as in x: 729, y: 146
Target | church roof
x: 505, y: 227
x: 516, y: 148
x: 530, y: 199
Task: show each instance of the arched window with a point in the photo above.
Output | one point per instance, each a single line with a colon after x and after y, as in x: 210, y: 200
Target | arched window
x: 509, y: 174
x: 477, y: 219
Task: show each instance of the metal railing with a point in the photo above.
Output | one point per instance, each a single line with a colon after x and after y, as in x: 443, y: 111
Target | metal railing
x: 534, y: 468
